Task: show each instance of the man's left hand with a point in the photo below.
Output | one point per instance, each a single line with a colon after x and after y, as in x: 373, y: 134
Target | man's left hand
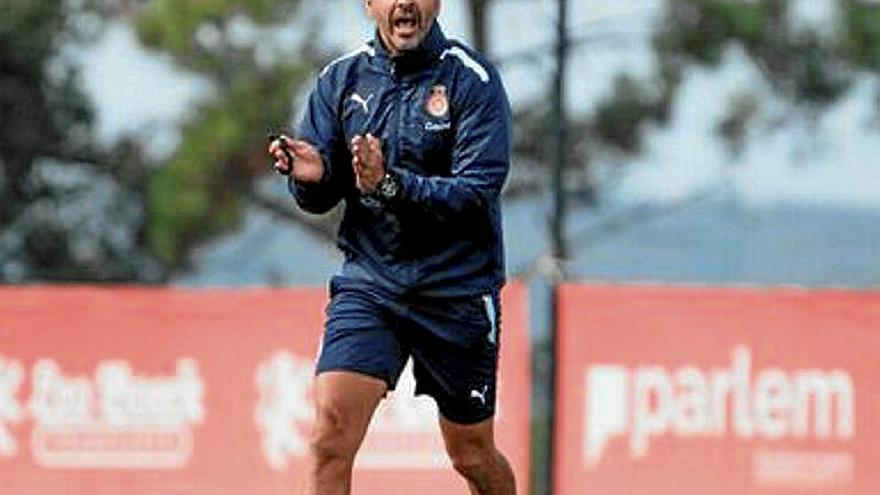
x: 368, y: 162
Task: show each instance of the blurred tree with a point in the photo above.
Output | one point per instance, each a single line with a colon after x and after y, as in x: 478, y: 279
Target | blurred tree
x: 860, y: 32
x: 74, y: 211
x: 618, y: 120
x: 802, y: 66
x: 39, y: 109
x: 798, y: 63
x: 70, y: 210
x: 203, y: 187
x: 700, y: 29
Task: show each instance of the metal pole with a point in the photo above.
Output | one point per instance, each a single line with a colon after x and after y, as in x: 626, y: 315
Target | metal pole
x: 559, y: 247
x: 558, y: 125
x: 479, y: 10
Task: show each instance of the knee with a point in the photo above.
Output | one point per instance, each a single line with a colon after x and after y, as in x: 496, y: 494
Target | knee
x: 471, y: 458
x: 332, y: 438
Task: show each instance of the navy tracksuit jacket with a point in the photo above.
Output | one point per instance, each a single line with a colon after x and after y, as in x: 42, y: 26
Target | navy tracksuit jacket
x: 444, y: 120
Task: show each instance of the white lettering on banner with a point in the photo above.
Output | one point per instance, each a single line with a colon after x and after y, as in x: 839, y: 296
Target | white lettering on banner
x: 11, y: 375
x: 649, y: 401
x: 403, y: 433
x: 118, y: 420
x: 283, y: 407
x: 128, y: 401
x: 801, y: 470
x: 58, y: 401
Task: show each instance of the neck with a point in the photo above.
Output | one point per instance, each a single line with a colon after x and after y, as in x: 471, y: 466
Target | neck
x: 387, y: 45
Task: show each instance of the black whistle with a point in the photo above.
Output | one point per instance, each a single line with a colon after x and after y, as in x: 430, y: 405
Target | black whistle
x: 283, y: 145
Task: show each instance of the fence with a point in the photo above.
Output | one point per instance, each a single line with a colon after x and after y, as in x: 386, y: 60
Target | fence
x: 661, y: 390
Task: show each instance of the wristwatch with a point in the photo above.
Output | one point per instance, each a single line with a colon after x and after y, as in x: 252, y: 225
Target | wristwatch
x: 388, y: 187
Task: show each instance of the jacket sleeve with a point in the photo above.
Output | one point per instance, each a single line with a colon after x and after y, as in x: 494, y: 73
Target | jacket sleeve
x: 321, y: 127
x: 480, y: 157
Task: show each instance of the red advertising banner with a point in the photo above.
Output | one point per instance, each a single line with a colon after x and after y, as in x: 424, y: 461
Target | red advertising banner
x: 680, y: 391
x: 160, y: 392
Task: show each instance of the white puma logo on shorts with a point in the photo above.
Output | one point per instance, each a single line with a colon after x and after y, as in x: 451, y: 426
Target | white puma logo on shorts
x: 475, y: 394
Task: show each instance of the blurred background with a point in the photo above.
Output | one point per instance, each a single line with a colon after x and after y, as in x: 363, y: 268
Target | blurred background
x: 708, y: 141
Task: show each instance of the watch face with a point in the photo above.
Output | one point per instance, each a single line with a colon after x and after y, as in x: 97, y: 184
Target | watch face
x: 388, y: 187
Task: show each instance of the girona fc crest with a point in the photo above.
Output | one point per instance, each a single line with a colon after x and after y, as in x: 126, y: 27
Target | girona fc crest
x: 437, y: 105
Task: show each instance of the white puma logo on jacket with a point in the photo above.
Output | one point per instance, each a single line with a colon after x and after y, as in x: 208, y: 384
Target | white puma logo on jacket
x: 361, y: 101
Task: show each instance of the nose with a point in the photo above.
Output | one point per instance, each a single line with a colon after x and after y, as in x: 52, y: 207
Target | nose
x: 406, y: 6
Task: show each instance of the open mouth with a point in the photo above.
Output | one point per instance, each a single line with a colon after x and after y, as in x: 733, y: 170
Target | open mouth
x: 405, y: 23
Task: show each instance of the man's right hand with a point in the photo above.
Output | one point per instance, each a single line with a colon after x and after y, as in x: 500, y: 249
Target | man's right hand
x: 309, y: 164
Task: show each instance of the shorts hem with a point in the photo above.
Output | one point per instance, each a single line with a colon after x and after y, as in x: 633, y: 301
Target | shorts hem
x: 467, y: 420
x: 360, y: 371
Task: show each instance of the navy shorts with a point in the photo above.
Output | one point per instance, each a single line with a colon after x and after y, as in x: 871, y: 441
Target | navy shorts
x: 453, y: 343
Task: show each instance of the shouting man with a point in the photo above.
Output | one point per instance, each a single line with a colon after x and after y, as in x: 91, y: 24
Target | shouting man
x: 412, y: 131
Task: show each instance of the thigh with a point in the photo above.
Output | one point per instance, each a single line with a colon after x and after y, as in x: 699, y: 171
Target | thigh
x: 344, y: 404
x: 455, y: 354
x: 359, y: 338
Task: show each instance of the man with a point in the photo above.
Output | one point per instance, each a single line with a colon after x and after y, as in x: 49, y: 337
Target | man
x: 412, y: 132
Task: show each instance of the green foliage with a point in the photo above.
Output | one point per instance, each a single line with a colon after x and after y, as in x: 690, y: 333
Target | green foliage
x: 860, y: 33
x: 811, y: 70
x: 27, y: 30
x: 36, y: 109
x: 700, y: 28
x: 198, y: 193
x: 619, y: 120
x: 799, y: 64
x: 170, y: 25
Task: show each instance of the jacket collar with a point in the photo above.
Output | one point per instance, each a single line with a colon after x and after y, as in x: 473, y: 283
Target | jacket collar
x: 427, y: 52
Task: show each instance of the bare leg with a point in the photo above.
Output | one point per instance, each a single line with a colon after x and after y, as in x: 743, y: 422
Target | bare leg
x: 345, y: 402
x: 474, y: 455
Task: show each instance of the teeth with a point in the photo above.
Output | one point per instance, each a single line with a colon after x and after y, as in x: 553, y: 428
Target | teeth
x: 405, y: 19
